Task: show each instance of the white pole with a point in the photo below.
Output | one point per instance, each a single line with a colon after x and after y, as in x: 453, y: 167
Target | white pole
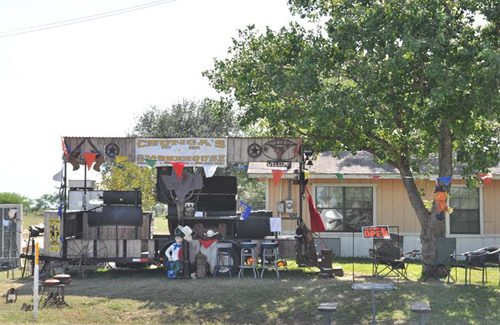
x: 35, y: 284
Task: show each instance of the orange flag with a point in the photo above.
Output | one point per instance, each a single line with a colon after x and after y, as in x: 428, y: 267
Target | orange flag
x: 277, y: 175
x: 89, y: 158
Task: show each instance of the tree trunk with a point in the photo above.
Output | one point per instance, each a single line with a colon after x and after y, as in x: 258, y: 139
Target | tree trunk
x: 432, y: 227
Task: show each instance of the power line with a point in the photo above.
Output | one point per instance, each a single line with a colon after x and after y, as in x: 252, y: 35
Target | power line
x: 37, y: 28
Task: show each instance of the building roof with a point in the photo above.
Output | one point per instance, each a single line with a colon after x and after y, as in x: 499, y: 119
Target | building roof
x: 326, y: 165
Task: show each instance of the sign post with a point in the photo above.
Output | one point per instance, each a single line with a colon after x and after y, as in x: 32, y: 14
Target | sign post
x: 35, y: 283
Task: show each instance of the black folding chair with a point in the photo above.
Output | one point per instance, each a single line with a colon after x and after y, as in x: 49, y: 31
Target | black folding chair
x: 480, y: 259
x: 388, y: 257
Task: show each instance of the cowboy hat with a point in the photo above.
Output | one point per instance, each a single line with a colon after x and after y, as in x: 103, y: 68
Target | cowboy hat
x: 187, y: 232
x: 210, y: 233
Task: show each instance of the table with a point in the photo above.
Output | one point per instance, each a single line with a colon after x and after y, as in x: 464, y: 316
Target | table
x: 380, y: 286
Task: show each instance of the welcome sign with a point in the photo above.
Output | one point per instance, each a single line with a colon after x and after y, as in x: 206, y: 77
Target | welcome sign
x: 189, y: 151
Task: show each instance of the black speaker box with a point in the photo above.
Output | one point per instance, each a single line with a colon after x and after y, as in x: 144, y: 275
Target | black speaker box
x: 116, y: 216
x: 122, y: 197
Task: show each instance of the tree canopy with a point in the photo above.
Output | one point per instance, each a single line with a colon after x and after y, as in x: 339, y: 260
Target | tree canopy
x: 205, y: 118
x: 375, y: 76
x: 405, y: 80
x: 15, y: 198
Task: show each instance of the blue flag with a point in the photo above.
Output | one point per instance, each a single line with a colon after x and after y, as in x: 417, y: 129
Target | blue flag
x: 445, y: 180
x: 246, y: 213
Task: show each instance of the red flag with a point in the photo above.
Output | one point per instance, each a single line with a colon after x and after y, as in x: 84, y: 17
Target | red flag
x: 316, y: 222
x: 89, y: 158
x: 277, y: 175
x: 178, y: 168
x: 65, y: 149
x: 486, y: 178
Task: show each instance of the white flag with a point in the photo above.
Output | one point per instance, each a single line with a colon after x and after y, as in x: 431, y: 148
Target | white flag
x: 59, y: 176
x: 209, y: 170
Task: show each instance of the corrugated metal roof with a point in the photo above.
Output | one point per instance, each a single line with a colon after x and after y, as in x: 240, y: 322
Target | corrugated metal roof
x: 326, y: 165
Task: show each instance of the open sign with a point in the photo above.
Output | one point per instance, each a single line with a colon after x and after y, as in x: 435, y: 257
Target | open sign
x: 380, y: 232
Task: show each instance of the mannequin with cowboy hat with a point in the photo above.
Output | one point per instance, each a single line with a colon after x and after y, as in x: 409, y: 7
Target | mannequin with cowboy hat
x: 175, y: 254
x: 208, y: 248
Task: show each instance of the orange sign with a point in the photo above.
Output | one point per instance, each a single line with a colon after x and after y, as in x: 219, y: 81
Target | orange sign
x: 379, y: 232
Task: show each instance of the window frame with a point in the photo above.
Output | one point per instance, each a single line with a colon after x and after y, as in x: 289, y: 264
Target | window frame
x: 481, y: 215
x: 368, y: 185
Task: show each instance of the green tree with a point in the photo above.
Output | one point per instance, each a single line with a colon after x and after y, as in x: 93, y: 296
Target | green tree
x: 205, y: 118
x: 14, y: 198
x: 405, y: 80
x: 46, y: 201
x: 128, y: 176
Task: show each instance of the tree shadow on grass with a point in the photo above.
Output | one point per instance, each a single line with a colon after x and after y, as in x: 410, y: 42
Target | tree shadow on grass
x: 136, y: 296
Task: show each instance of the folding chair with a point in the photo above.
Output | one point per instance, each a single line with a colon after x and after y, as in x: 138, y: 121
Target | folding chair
x: 388, y: 257
x: 444, y: 260
x: 480, y: 259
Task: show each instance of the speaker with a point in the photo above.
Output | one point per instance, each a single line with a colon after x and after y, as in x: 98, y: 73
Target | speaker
x: 122, y: 197
x: 220, y: 185
x: 116, y: 216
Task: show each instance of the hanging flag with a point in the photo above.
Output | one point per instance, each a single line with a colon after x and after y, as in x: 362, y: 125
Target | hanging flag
x: 65, y: 148
x: 151, y: 162
x: 277, y: 174
x: 178, y: 168
x: 486, y: 177
x: 317, y: 224
x: 247, y: 209
x: 445, y: 180
x: 209, y: 170
x: 339, y: 176
x: 89, y: 158
x: 59, y: 176
x: 306, y: 174
x: 59, y: 210
x: 120, y: 159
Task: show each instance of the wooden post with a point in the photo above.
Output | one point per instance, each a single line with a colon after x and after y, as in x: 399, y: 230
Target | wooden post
x: 35, y: 284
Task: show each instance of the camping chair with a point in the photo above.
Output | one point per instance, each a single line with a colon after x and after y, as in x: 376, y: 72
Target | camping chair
x: 480, y: 259
x: 388, y: 257
x: 444, y: 260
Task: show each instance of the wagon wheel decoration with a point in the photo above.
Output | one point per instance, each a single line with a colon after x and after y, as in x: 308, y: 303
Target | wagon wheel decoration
x: 82, y: 255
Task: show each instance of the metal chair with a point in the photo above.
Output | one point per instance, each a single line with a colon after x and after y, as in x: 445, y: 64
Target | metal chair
x: 480, y: 259
x: 388, y: 257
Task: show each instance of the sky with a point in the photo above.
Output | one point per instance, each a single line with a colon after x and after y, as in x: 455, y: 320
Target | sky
x: 94, y: 78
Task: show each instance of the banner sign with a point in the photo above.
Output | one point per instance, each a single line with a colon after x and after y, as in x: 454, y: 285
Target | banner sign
x: 54, y: 234
x: 190, y: 151
x: 376, y: 232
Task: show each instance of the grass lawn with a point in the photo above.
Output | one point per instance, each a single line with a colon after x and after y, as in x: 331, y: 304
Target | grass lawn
x: 147, y: 296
